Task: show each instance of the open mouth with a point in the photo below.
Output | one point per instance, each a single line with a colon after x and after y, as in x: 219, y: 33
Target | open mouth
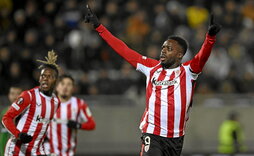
x: 162, y: 58
x: 44, y: 85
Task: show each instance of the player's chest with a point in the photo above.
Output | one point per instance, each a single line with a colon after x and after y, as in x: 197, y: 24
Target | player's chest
x: 42, y: 111
x: 166, y: 78
x: 67, y: 111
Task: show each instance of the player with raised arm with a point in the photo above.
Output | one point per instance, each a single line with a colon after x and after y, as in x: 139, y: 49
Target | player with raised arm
x: 37, y: 107
x: 73, y: 114
x: 169, y: 87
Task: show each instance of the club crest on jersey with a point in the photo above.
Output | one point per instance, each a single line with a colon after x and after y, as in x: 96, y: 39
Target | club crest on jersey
x: 164, y: 82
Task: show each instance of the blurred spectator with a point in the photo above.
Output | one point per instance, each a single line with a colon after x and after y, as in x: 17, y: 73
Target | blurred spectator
x: 31, y: 28
x: 197, y: 15
x: 248, y: 8
x: 5, y: 10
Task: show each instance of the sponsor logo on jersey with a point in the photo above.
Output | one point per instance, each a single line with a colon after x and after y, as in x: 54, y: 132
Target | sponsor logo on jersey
x: 42, y: 120
x: 164, y: 82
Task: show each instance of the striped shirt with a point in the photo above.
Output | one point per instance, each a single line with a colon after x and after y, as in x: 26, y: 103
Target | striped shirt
x: 37, y: 110
x: 63, y: 140
x: 169, y: 94
x: 168, y: 91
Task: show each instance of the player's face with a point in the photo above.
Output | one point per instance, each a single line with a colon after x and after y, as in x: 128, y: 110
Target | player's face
x: 47, y: 80
x: 14, y: 93
x: 65, y: 88
x: 171, y: 53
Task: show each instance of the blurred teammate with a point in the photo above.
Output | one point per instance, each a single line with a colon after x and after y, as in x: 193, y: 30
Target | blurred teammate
x: 169, y: 87
x: 36, y: 107
x: 73, y: 114
x: 13, y: 94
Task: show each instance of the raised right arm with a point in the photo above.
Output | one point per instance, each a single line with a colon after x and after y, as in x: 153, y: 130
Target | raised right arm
x: 119, y: 46
x: 123, y: 50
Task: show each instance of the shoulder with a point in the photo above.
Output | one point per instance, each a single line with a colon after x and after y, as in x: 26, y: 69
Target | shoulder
x: 25, y: 96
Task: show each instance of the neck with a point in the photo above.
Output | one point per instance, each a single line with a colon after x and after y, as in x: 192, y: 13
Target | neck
x: 168, y: 66
x: 64, y: 98
x: 48, y: 93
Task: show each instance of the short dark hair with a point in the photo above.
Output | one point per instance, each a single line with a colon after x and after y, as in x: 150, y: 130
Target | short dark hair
x: 50, y: 66
x: 66, y: 76
x: 181, y: 41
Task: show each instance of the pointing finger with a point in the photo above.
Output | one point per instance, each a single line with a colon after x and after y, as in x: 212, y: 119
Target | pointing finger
x: 211, y: 19
x: 89, y: 9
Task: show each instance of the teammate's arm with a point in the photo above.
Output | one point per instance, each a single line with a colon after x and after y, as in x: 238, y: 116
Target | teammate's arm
x: 86, y: 113
x: 85, y: 119
x: 14, y: 111
x: 198, y: 62
x: 119, y: 46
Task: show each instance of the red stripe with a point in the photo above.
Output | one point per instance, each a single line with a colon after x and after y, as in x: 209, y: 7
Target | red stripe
x: 28, y: 120
x: 183, y: 100
x: 69, y: 131
x: 149, y: 89
x: 39, y: 125
x: 171, y: 108
x: 59, y: 132
x: 157, y: 114
x: 52, y: 111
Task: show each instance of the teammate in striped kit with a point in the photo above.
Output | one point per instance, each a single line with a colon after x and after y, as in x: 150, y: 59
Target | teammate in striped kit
x: 169, y: 87
x: 37, y: 107
x: 73, y: 114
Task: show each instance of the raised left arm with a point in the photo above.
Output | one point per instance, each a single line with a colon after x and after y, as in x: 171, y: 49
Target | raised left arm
x: 198, y: 62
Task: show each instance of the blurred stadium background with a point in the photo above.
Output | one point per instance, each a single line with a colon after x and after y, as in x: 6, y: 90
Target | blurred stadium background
x: 112, y: 88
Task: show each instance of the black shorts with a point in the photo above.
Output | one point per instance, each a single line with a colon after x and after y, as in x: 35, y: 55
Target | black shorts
x: 153, y: 145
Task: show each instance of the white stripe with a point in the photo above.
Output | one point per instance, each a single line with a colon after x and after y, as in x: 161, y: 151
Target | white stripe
x: 164, y: 109
x: 188, y: 92
x: 151, y: 112
x: 8, y: 147
x: 143, y: 121
x: 74, y: 104
x: 54, y: 138
x: 64, y: 127
x: 144, y: 69
x: 48, y: 109
x: 177, y: 99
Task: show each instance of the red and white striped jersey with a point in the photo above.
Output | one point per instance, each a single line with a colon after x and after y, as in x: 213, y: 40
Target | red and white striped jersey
x: 63, y: 140
x: 168, y: 91
x: 169, y: 94
x: 36, y: 111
